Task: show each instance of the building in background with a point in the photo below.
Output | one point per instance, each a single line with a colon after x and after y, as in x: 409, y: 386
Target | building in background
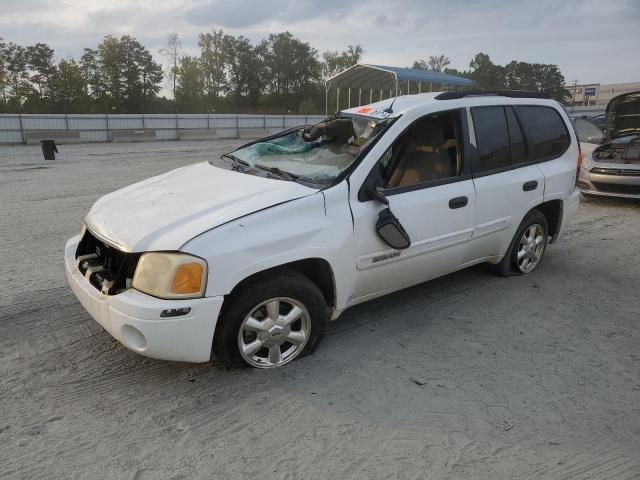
x: 589, y: 94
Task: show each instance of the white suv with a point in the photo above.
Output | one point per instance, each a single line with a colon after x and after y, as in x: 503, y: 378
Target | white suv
x: 249, y: 262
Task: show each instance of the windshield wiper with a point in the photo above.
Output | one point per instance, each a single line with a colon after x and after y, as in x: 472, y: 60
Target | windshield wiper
x: 280, y: 173
x: 236, y: 163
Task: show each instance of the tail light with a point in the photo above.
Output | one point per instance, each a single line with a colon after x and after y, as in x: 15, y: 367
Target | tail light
x: 578, y: 163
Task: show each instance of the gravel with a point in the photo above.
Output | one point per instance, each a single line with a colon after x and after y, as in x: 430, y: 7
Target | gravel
x: 467, y: 376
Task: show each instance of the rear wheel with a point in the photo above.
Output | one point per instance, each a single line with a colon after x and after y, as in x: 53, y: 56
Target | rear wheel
x: 272, y: 320
x: 527, y: 247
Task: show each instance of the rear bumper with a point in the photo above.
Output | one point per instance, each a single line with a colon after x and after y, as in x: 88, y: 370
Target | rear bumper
x: 569, y: 210
x: 133, y: 318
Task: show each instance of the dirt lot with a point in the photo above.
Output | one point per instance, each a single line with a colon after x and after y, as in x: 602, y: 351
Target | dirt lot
x: 468, y: 376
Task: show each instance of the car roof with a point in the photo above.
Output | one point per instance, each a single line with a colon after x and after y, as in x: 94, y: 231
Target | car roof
x: 428, y: 102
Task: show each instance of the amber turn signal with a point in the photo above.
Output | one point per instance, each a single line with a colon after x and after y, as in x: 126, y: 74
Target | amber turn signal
x: 187, y: 279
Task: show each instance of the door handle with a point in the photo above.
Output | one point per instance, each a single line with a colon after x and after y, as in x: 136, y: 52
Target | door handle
x: 528, y: 186
x: 458, y: 202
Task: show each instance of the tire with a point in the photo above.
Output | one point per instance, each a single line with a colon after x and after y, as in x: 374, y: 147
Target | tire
x: 510, y: 264
x: 257, y: 299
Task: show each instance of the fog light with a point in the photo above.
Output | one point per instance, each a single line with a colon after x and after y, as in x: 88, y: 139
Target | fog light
x: 133, y: 338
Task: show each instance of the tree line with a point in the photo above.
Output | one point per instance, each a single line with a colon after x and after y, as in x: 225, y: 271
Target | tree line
x: 280, y: 74
x: 516, y: 75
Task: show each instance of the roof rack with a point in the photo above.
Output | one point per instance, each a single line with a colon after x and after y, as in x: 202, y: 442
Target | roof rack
x: 498, y: 93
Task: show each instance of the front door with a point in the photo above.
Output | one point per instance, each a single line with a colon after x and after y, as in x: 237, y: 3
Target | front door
x: 425, y: 179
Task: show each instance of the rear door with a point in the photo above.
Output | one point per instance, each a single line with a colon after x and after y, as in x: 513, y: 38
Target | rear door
x: 507, y: 183
x: 550, y: 147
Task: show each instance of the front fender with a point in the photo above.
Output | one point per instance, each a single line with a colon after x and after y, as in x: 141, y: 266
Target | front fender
x: 296, y: 230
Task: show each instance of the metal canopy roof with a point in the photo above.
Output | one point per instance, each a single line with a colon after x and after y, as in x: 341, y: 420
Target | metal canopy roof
x: 381, y: 76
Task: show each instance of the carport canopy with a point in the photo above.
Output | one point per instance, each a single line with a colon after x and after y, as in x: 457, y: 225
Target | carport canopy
x: 376, y: 82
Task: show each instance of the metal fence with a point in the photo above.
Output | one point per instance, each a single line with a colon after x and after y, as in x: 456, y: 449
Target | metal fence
x: 584, y: 111
x: 15, y: 129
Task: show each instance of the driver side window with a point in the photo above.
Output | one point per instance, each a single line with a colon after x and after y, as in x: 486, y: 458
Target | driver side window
x: 429, y: 150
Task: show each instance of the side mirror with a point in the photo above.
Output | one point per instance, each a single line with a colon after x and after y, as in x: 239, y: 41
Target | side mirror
x: 390, y: 229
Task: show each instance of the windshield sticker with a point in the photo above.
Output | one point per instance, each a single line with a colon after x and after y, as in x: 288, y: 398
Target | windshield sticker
x: 379, y: 114
x: 373, y: 113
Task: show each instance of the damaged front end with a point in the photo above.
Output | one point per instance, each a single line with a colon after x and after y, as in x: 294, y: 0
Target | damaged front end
x: 108, y: 269
x: 623, y: 131
x: 613, y: 168
x: 626, y: 151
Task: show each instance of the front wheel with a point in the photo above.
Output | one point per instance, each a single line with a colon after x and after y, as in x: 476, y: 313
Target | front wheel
x: 271, y: 321
x: 527, y: 247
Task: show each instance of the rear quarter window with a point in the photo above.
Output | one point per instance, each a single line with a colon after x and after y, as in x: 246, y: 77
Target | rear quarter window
x: 492, y: 137
x: 545, y: 130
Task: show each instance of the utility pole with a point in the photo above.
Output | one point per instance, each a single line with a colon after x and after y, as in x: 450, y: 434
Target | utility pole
x: 144, y: 90
x: 575, y: 86
x: 144, y: 94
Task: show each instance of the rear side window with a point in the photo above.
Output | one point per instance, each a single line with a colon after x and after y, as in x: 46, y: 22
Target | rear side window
x: 547, y: 134
x: 492, y: 137
x: 518, y: 149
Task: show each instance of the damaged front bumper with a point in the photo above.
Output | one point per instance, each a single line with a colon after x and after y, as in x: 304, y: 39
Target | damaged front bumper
x: 134, y: 318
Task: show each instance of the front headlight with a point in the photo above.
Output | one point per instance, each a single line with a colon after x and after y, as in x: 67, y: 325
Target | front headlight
x: 171, y: 275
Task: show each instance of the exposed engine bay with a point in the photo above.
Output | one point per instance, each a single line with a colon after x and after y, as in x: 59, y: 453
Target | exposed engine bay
x: 621, y: 150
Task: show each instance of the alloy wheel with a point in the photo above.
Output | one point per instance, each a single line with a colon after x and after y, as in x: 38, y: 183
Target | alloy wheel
x: 531, y: 248
x: 274, y: 332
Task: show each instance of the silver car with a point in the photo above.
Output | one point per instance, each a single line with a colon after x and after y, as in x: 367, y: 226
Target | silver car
x: 613, y: 168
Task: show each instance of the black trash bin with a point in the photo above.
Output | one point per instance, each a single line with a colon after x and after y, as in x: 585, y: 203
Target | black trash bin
x: 49, y: 149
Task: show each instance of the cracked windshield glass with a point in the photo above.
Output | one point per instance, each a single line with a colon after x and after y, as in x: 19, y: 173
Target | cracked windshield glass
x: 316, y: 154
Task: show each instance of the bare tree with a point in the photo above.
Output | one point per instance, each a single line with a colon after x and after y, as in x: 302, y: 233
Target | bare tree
x: 438, y: 62
x: 173, y: 52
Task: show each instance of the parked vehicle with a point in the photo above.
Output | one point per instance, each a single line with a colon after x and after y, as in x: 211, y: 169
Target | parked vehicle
x: 613, y: 168
x: 589, y: 135
x: 599, y: 121
x: 251, y: 262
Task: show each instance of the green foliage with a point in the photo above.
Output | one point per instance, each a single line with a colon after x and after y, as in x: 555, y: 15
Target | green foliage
x: 515, y: 75
x: 190, y: 85
x: 212, y: 65
x: 436, y: 62
x: 535, y: 76
x: 40, y: 62
x: 243, y: 69
x: 485, y: 75
x: 291, y: 67
x: 129, y: 76
x: 70, y: 86
x: 280, y: 74
x: 307, y: 107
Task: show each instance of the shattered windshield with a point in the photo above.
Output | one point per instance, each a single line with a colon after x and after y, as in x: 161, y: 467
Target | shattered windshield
x: 316, y: 154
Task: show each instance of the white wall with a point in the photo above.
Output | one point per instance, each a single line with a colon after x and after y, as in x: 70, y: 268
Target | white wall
x: 98, y: 128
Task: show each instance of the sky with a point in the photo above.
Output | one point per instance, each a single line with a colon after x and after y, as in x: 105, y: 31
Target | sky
x: 592, y: 41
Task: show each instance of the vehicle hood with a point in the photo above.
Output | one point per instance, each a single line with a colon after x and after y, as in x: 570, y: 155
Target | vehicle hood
x: 165, y: 212
x: 623, y: 115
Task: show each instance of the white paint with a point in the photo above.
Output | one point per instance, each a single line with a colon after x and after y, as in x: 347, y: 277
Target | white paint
x: 242, y: 224
x: 165, y: 212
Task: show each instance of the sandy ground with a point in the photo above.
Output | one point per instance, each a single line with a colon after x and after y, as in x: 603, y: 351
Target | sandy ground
x: 468, y: 376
